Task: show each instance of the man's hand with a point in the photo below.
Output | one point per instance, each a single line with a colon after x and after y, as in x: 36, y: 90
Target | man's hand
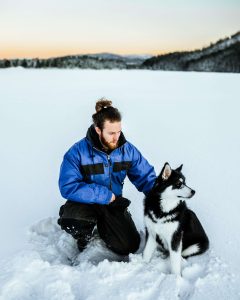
x: 119, y: 203
x: 113, y: 198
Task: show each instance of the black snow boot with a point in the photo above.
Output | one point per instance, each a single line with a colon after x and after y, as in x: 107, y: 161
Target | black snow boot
x: 81, y: 230
x: 84, y: 235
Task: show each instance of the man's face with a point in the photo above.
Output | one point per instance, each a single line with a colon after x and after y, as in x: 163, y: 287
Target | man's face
x: 110, y: 134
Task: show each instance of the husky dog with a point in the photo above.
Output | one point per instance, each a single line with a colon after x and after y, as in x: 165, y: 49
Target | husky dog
x: 170, y: 226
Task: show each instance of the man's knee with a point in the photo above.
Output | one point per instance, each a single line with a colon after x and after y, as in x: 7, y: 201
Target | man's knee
x: 126, y: 246
x: 78, y: 211
x: 76, y: 228
x: 76, y: 218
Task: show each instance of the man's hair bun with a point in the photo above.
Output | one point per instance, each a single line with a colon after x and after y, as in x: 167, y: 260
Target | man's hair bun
x: 102, y: 103
x: 105, y: 112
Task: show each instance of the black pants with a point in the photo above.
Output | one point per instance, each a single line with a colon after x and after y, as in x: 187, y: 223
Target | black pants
x: 115, y: 226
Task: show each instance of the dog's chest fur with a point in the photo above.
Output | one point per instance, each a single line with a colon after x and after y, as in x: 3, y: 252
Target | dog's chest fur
x: 161, y: 222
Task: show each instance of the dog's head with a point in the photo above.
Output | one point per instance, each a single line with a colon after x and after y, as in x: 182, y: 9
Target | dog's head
x: 171, y: 184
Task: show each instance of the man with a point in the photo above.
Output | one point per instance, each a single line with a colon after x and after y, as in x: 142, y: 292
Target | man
x: 91, y: 179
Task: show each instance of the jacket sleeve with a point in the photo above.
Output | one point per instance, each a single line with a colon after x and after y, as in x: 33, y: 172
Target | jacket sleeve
x: 73, y: 187
x: 141, y: 173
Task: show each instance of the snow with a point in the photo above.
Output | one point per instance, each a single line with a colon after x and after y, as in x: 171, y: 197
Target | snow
x: 190, y: 118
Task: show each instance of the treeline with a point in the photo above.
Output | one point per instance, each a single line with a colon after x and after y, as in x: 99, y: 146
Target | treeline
x: 81, y: 61
x: 223, y: 56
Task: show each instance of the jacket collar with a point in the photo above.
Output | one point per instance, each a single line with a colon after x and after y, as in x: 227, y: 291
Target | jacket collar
x: 93, y: 138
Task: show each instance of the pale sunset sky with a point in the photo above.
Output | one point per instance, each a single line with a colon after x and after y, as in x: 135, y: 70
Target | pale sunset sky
x: 47, y: 28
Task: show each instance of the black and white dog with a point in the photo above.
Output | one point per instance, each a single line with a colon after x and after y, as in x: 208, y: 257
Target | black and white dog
x: 171, y: 227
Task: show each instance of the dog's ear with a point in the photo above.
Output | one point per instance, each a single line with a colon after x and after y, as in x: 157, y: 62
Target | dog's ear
x: 179, y: 169
x: 166, y: 171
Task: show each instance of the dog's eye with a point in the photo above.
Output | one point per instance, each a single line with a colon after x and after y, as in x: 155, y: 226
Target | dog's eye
x: 179, y: 184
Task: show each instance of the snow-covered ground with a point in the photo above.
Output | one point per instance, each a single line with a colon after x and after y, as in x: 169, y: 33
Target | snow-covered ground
x: 190, y: 118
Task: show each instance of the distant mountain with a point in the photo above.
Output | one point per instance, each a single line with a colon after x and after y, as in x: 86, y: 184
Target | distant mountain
x: 106, y: 55
x: 223, y: 56
x: 86, y: 61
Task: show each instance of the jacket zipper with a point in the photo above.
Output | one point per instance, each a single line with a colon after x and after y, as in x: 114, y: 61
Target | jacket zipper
x: 110, y: 176
x: 109, y: 165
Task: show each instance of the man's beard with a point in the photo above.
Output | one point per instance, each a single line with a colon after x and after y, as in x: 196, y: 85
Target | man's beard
x: 109, y: 146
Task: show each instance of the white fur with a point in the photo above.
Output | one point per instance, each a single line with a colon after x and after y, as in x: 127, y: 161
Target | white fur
x: 170, y: 203
x: 176, y: 260
x: 165, y: 232
x: 193, y: 249
x: 150, y: 247
x: 171, y: 195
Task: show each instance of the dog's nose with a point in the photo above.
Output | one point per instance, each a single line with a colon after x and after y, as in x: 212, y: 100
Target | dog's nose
x: 192, y: 192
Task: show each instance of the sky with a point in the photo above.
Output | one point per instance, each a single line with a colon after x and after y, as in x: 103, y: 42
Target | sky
x: 50, y: 28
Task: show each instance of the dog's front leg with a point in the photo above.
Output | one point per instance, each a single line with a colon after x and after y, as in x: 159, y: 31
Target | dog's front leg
x: 149, y: 247
x: 176, y: 257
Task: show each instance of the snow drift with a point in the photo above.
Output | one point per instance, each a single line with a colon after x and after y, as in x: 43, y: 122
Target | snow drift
x: 189, y: 118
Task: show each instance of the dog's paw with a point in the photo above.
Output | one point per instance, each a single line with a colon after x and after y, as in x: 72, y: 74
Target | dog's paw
x: 193, y: 272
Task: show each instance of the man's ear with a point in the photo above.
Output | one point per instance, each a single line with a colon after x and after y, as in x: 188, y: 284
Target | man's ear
x: 98, y: 130
x: 166, y: 171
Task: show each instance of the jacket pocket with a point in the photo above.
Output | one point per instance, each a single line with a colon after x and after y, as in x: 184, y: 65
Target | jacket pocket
x: 93, y: 169
x: 121, y: 166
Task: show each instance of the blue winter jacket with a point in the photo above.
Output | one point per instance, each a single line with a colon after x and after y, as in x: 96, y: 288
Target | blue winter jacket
x: 90, y: 175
